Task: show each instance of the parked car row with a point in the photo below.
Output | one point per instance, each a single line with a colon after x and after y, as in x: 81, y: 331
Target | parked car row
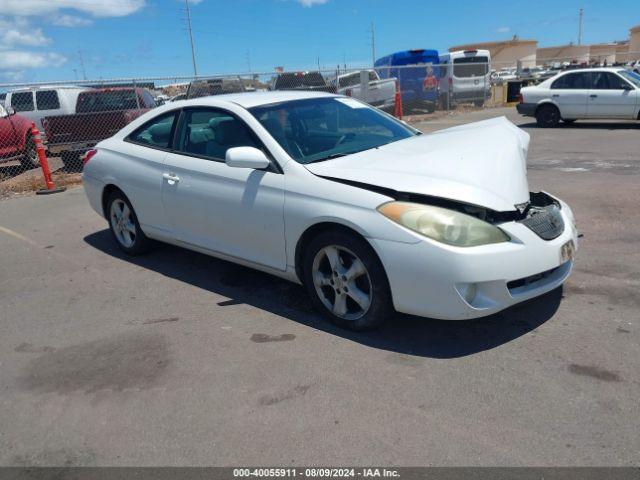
x: 71, y: 119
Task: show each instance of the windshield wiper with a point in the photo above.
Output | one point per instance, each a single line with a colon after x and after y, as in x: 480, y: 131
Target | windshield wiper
x: 330, y: 157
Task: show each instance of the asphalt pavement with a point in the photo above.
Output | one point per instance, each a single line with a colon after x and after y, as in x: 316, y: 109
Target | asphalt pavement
x: 175, y: 358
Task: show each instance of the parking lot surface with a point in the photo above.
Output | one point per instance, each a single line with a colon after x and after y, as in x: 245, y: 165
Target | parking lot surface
x: 175, y: 358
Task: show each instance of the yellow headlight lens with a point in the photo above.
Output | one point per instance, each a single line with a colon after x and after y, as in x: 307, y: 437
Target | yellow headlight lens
x: 443, y: 225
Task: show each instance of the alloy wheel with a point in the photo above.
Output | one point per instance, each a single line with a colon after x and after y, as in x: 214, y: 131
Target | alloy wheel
x: 122, y: 223
x: 342, y: 282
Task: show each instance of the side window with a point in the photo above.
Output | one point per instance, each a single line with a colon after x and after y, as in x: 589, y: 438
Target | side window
x: 211, y: 132
x: 22, y: 101
x: 572, y: 81
x: 155, y: 133
x: 47, y: 100
x: 614, y: 81
x: 148, y: 99
x: 372, y: 77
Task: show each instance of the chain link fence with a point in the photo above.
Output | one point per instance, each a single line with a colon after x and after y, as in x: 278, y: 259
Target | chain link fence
x: 73, y: 116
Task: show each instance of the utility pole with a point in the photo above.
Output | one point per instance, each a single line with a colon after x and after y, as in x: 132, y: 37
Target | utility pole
x: 581, y: 17
x: 248, y: 58
x: 373, y: 44
x: 193, y: 50
x: 81, y: 59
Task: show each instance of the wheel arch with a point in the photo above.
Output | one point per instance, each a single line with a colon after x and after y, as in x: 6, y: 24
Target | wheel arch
x: 321, y: 227
x: 106, y: 192
x: 545, y: 103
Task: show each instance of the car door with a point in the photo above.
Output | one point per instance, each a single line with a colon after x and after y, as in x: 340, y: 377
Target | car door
x: 233, y: 211
x: 570, y: 92
x: 608, y: 97
x: 139, y: 168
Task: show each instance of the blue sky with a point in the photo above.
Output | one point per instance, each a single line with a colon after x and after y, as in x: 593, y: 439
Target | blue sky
x: 43, y: 40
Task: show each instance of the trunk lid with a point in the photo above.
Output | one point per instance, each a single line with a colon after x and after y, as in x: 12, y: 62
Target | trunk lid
x: 481, y: 163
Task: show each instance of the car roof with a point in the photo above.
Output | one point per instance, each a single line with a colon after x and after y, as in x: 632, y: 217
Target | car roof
x: 48, y: 87
x: 255, y: 99
x: 597, y: 69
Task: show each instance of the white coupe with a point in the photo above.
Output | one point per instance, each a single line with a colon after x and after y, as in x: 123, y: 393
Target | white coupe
x: 368, y: 213
x: 594, y: 93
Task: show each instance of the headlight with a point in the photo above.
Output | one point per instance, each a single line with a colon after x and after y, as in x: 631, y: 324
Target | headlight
x: 444, y: 225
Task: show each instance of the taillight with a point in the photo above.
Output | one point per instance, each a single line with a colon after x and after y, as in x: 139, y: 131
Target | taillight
x: 89, y: 155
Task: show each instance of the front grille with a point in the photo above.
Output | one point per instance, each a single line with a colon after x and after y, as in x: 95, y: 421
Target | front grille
x: 546, y: 222
x: 522, y: 282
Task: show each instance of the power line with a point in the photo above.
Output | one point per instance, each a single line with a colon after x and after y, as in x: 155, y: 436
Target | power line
x: 193, y: 49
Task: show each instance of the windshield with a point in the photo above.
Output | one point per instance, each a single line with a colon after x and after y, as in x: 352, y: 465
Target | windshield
x: 318, y: 129
x: 633, y: 77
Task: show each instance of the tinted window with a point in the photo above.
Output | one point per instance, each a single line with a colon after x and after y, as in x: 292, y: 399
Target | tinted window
x: 211, y: 133
x: 298, y: 80
x: 157, y: 132
x: 572, y: 81
x: 22, y: 101
x: 606, y: 81
x: 350, y: 80
x: 313, y: 130
x: 107, y: 101
x: 47, y: 100
x: 470, y: 67
x: 633, y: 77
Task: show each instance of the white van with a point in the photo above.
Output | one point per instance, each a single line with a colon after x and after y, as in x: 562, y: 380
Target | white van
x: 35, y: 103
x: 465, y: 76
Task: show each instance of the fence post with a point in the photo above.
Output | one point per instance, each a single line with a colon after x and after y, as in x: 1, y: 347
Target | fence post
x: 44, y: 164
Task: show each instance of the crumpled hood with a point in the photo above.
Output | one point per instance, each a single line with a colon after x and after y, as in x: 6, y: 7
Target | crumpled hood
x: 481, y: 163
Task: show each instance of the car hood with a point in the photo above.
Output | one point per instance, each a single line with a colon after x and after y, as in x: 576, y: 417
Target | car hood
x: 481, y: 163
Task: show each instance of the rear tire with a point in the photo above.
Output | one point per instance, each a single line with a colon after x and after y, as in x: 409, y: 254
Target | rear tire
x: 478, y: 103
x: 30, y: 157
x: 124, y: 226
x: 71, y: 161
x: 346, y: 281
x: 548, y: 116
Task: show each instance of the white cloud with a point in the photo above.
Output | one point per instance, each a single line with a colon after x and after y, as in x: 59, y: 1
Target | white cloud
x: 32, y: 38
x: 503, y: 29
x: 96, y: 8
x: 311, y: 3
x: 70, y: 21
x: 18, y: 60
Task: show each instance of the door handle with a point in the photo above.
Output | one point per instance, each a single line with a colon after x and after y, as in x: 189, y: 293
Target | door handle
x: 172, y: 177
x: 593, y: 96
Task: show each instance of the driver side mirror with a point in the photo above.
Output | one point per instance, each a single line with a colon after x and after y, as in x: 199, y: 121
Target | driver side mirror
x: 246, y: 157
x: 10, y: 111
x: 626, y: 86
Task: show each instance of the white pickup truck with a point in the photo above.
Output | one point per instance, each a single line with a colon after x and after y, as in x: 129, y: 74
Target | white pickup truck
x: 377, y: 92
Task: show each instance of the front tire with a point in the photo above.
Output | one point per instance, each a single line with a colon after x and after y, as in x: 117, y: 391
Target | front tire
x: 346, y: 281
x: 30, y: 157
x: 548, y: 116
x: 124, y: 226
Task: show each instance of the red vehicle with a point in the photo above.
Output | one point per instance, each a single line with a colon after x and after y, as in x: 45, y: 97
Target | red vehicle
x: 16, y: 142
x: 100, y: 113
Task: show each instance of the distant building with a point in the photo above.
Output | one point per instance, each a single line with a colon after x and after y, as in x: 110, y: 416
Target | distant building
x: 564, y: 53
x: 506, y: 54
x: 634, y: 43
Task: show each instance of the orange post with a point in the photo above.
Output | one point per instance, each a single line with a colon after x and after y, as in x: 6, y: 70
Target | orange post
x: 44, y: 164
x: 398, y: 102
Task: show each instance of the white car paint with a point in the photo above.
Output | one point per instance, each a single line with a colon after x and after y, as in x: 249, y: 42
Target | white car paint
x: 590, y: 101
x: 377, y: 92
x: 257, y: 217
x: 462, y: 81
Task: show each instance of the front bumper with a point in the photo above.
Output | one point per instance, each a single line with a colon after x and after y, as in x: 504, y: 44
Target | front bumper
x: 430, y: 279
x: 526, y: 109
